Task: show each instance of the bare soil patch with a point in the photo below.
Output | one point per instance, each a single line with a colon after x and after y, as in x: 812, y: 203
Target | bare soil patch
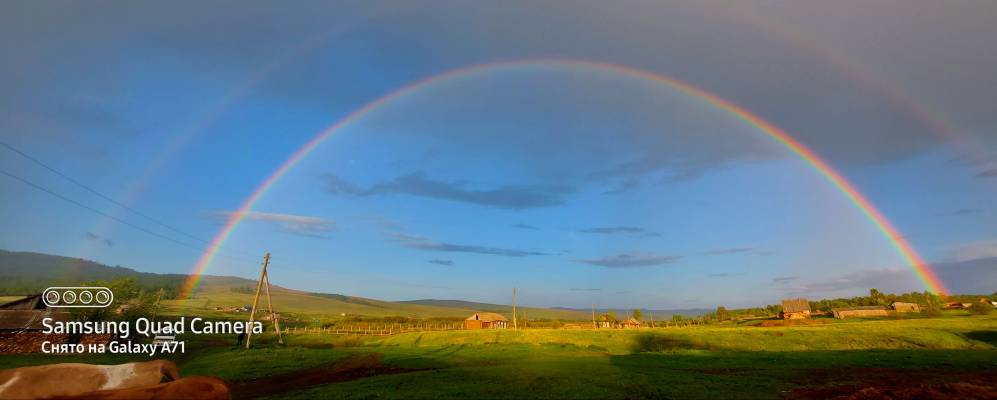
x: 351, y: 368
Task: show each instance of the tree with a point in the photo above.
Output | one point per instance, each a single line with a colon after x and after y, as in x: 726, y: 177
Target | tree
x: 677, y: 318
x: 612, y: 315
x: 722, y: 314
x: 637, y: 314
x: 130, y: 304
x: 981, y: 307
x: 877, y: 298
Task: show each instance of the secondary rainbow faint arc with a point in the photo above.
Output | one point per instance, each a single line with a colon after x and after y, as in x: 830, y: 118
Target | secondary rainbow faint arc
x: 895, y: 238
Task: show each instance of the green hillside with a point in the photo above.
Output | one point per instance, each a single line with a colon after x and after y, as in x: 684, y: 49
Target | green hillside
x: 529, y: 312
x: 215, y: 293
x: 26, y: 273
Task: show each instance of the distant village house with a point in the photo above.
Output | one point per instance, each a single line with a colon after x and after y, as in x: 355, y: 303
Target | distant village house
x: 486, y: 320
x: 631, y: 323
x: 795, y: 309
x: 605, y: 321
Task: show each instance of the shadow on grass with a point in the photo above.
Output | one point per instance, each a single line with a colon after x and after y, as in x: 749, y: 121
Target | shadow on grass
x: 988, y: 337
x: 650, y: 342
x: 688, y: 372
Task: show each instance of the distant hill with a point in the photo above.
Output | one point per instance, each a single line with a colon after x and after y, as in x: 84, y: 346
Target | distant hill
x: 460, y: 304
x: 26, y: 273
x: 529, y: 312
x: 647, y: 313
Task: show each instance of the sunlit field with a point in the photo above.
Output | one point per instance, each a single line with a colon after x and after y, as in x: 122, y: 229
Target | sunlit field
x: 722, y: 360
x: 447, y: 199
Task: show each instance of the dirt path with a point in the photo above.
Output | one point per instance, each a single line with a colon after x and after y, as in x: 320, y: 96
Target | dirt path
x: 351, y: 368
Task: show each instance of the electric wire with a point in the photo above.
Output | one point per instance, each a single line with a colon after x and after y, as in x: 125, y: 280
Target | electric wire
x: 106, y: 215
x: 108, y: 198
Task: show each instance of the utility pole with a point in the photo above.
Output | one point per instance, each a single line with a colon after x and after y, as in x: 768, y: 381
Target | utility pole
x: 594, y: 325
x: 273, y: 316
x: 256, y: 301
x: 514, y: 324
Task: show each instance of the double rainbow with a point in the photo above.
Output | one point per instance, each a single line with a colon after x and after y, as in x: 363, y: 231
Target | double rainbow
x: 894, y: 237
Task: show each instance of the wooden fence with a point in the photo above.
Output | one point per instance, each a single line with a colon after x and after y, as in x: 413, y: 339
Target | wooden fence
x: 394, y: 329
x: 376, y: 329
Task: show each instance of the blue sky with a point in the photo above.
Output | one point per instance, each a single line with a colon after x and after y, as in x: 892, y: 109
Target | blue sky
x: 573, y: 184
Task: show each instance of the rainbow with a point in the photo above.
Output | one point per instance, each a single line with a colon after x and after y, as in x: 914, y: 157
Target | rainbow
x: 893, y: 236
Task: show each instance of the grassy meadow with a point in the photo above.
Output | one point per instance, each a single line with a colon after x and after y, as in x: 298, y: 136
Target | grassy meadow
x: 729, y: 360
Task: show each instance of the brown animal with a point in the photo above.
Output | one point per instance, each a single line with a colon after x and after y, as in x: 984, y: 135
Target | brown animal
x: 192, y: 388
x: 73, y: 379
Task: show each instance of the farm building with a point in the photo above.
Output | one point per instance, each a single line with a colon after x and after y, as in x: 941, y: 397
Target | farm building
x: 795, y: 309
x: 605, y: 321
x: 21, y: 325
x: 33, y: 302
x: 859, y: 312
x: 486, y: 320
x: 906, y: 307
x: 631, y: 323
x: 26, y: 314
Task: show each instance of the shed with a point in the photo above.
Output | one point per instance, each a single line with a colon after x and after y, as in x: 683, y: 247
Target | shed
x: 795, y: 309
x: 486, y: 320
x: 32, y: 302
x: 29, y: 320
x: 906, y: 307
x: 21, y: 325
x: 859, y: 312
x: 605, y: 321
x: 631, y: 323
x: 26, y: 314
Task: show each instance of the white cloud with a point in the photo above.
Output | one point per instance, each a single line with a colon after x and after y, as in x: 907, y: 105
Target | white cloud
x: 295, y: 224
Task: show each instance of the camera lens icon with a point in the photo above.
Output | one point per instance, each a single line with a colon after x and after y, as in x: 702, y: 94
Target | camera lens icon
x: 104, y: 297
x: 52, y: 297
x: 69, y: 297
x: 86, y: 297
x: 81, y: 296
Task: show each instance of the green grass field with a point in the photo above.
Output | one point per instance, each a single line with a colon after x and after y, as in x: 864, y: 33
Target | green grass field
x: 715, y: 361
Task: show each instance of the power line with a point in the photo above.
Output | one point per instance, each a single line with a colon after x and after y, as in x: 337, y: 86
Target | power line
x: 96, y: 211
x: 102, y: 196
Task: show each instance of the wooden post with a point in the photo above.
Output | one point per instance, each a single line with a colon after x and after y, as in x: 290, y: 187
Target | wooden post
x: 256, y: 299
x: 515, y: 326
x: 273, y: 316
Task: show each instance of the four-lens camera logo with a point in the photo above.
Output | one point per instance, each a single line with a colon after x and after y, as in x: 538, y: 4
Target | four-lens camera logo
x: 78, y: 296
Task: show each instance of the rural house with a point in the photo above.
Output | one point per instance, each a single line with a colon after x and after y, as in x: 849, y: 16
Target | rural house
x: 631, y: 323
x: 906, y: 307
x: 859, y: 312
x: 605, y: 321
x: 795, y: 309
x: 486, y: 320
